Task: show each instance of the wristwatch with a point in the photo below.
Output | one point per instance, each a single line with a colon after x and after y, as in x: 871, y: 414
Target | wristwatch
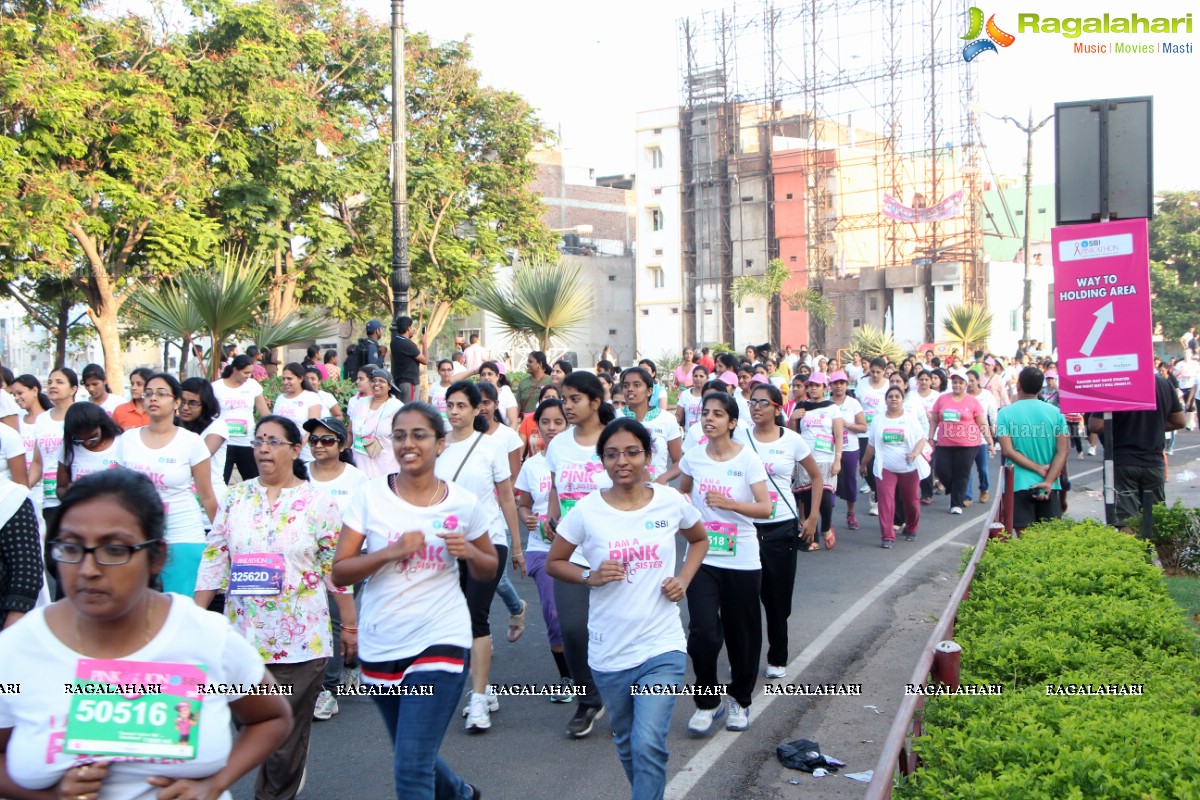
x: 586, y: 574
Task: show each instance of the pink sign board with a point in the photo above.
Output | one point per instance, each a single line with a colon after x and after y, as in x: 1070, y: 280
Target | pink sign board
x: 1102, y: 311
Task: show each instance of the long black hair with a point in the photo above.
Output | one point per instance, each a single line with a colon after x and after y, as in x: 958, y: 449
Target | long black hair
x: 292, y: 432
x: 727, y: 403
x: 488, y: 392
x: 238, y: 364
x: 95, y: 371
x: 589, y: 385
x: 494, y: 367
x: 774, y: 395
x: 628, y: 424
x: 81, y: 418
x: 31, y: 383
x: 470, y: 390
x: 210, y: 409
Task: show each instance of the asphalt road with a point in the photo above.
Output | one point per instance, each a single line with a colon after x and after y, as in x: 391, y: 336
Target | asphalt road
x: 861, y: 615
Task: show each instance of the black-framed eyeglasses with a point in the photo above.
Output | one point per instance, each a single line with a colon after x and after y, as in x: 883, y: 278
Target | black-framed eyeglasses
x: 192, y: 403
x: 111, y: 554
x: 324, y: 441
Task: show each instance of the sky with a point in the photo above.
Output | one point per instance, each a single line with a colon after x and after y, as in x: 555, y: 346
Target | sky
x: 590, y: 67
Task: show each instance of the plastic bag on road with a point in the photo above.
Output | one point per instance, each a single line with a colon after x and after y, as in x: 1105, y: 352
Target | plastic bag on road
x: 805, y: 755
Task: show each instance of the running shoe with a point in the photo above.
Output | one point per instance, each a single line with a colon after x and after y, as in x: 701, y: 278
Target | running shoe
x: 874, y: 512
x: 776, y: 672
x: 886, y: 544
x: 478, y: 718
x: 492, y: 701
x: 739, y: 716
x: 956, y: 510
x: 910, y: 537
x: 701, y: 723
x: 564, y: 693
x: 852, y: 522
x: 582, y: 723
x: 1091, y: 451
x: 326, y: 705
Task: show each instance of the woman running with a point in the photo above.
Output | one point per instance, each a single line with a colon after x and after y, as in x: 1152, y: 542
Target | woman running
x: 895, y: 447
x: 854, y: 422
x: 819, y: 421
x: 329, y: 404
x: 489, y: 372
x: 295, y: 402
x: 200, y: 413
x: 961, y: 426
x: 575, y: 472
x: 372, y: 424
x: 638, y: 384
x: 29, y: 397
x: 728, y: 485
x: 241, y: 399
x: 95, y: 382
x: 626, y: 534
x: 687, y: 404
x: 60, y: 389
x: 781, y: 450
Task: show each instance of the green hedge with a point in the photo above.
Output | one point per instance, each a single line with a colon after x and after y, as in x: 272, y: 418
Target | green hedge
x: 1069, y: 603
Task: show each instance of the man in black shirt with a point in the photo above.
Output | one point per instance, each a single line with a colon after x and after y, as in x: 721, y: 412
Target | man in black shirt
x: 1138, y: 441
x: 407, y: 359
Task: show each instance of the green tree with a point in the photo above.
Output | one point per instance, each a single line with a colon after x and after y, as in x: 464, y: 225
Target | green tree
x: 101, y: 157
x: 544, y: 299
x: 1175, y: 262
x: 967, y: 326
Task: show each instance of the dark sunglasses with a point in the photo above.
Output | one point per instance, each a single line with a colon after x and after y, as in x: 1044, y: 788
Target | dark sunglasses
x: 325, y: 441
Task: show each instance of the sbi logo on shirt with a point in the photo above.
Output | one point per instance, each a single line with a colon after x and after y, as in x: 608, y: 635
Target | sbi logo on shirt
x: 655, y: 523
x: 734, y: 473
x: 165, y: 460
x: 448, y: 524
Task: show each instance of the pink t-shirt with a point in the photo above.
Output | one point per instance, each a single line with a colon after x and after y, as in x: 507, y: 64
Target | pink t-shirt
x: 959, y: 426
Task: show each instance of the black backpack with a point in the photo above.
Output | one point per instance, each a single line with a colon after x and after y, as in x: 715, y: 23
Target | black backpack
x: 357, y: 359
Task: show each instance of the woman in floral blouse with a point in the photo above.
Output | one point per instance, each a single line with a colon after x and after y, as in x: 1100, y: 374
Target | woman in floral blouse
x: 271, y: 551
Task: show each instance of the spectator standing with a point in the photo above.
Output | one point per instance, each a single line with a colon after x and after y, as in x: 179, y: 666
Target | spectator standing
x: 1187, y: 375
x: 407, y: 359
x: 474, y: 355
x: 1033, y: 436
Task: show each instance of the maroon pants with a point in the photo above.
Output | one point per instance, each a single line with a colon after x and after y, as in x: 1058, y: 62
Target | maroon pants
x: 909, y: 484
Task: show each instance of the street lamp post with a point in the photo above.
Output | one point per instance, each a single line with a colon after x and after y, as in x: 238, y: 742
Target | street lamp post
x: 1029, y: 130
x: 400, y: 267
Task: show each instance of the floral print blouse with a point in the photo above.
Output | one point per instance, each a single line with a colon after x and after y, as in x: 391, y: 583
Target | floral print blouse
x: 302, y: 526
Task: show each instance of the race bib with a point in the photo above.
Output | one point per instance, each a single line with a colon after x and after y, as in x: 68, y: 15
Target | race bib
x: 140, y: 709
x: 255, y: 574
x: 870, y: 415
x: 237, y: 427
x: 823, y: 443
x: 542, y: 526
x: 359, y: 445
x: 893, y: 436
x: 722, y: 538
x: 50, y: 487
x: 567, y: 501
x: 951, y: 415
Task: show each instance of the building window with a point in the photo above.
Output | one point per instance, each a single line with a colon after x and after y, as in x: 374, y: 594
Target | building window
x: 874, y: 304
x: 656, y: 219
x: 708, y: 312
x: 656, y: 158
x: 856, y: 323
x: 675, y: 310
x: 949, y: 287
x: 658, y: 130
x: 749, y: 263
x: 613, y: 331
x: 658, y: 190
x: 1012, y: 320
x: 788, y: 196
x: 791, y: 258
x: 908, y: 290
x: 658, y: 252
x: 612, y: 278
x: 749, y: 309
x: 658, y: 277
x: 645, y: 312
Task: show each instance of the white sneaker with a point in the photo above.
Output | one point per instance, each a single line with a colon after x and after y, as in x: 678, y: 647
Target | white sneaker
x: 1091, y: 451
x: 492, y: 701
x: 478, y: 718
x: 776, y: 672
x: 739, y: 717
x: 956, y: 510
x: 701, y: 723
x: 326, y: 705
x: 874, y: 509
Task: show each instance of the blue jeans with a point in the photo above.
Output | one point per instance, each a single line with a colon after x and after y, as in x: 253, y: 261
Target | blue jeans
x: 508, y: 592
x: 981, y: 466
x: 641, y: 723
x: 417, y: 726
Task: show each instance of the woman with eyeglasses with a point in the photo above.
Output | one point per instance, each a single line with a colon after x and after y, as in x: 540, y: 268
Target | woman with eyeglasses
x: 91, y: 443
x: 60, y: 389
x: 174, y: 459
x: 575, y: 472
x: 108, y: 547
x: 416, y: 624
x: 200, y: 414
x: 533, y: 495
x: 627, y: 537
x: 296, y: 402
x: 271, y: 550
x: 728, y: 486
x: 133, y: 414
x: 373, y: 453
x: 475, y: 461
x: 781, y: 450
x: 241, y: 399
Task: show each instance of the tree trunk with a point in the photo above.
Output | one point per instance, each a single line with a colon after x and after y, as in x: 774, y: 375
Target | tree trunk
x: 61, y: 330
x: 105, y: 321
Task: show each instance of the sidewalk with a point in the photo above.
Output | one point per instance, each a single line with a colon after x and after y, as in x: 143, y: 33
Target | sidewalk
x: 1183, y: 480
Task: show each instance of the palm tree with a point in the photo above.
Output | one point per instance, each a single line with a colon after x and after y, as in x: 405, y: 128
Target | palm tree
x: 224, y: 301
x: 544, y: 300
x: 874, y: 343
x: 967, y: 326
x: 816, y: 304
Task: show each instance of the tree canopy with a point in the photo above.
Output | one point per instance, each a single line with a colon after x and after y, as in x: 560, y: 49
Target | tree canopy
x: 1175, y: 262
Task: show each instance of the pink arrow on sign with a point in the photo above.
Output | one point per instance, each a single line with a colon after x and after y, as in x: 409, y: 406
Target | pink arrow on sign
x: 1104, y: 317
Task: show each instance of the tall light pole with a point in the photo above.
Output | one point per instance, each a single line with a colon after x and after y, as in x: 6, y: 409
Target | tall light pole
x: 400, y: 273
x: 1029, y: 130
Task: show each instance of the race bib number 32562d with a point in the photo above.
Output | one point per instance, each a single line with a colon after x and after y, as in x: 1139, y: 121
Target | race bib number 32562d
x: 138, y: 709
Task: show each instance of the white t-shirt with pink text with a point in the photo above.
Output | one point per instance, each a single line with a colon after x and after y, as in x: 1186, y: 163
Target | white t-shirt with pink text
x: 534, y: 480
x: 169, y: 468
x: 732, y: 539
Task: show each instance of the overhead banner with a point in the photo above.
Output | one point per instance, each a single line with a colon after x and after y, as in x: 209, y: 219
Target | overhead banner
x: 1102, y: 314
x: 949, y: 208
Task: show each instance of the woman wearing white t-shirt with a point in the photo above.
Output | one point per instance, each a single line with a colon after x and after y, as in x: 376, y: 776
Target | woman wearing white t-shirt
x: 854, y: 422
x: 95, y: 382
x: 575, y: 472
x: 372, y: 425
x: 329, y: 404
x: 667, y: 439
x: 174, y: 459
x: 489, y: 372
x: 416, y: 527
x: 920, y: 403
x: 295, y: 402
x: 91, y: 443
x: 687, y: 404
x: 895, y: 444
x: 780, y: 450
x: 437, y: 391
x: 728, y: 485
x: 107, y: 544
x: 200, y: 413
x: 27, y: 392
x: 60, y: 388
x: 474, y: 461
x: 819, y: 421
x: 12, y: 456
x: 240, y: 398
x: 627, y: 534
x: 533, y: 487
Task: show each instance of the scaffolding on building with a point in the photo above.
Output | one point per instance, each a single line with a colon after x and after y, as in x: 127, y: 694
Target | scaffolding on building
x: 877, y: 97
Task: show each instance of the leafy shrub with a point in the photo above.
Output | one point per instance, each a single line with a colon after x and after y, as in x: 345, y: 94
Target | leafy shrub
x: 1176, y: 536
x: 1069, y: 603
